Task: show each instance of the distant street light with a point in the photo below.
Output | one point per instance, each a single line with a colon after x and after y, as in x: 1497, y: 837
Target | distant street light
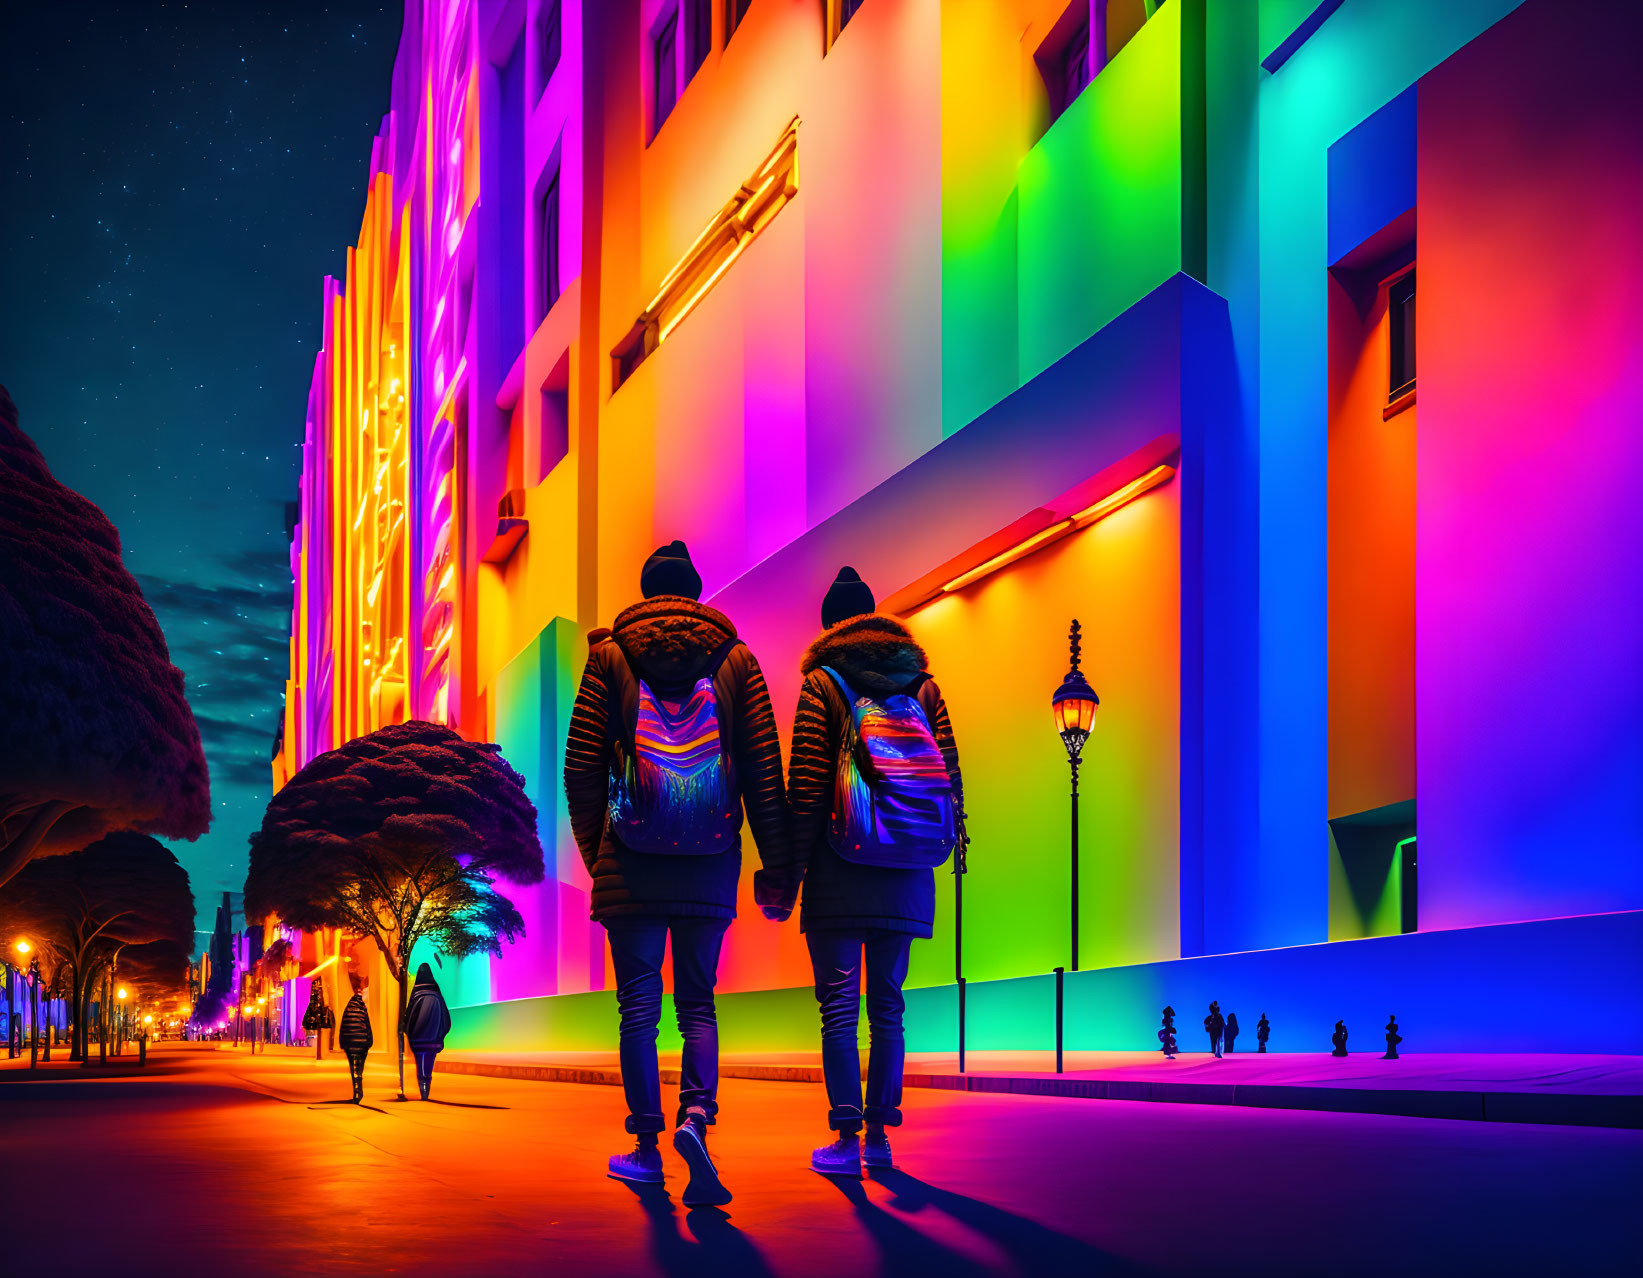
x: 27, y: 951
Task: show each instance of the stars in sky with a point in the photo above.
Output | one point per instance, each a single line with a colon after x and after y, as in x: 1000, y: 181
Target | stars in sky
x: 179, y: 181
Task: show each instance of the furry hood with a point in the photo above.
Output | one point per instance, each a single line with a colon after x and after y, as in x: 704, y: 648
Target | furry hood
x: 668, y: 638
x: 875, y: 653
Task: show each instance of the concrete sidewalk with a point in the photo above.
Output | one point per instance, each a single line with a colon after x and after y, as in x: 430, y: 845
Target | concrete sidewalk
x: 1595, y: 1091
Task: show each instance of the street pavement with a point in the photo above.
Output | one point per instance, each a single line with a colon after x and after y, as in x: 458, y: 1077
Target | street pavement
x: 213, y: 1161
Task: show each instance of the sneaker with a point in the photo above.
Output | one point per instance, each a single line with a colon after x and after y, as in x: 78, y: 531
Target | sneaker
x: 643, y: 1166
x: 875, y: 1152
x: 841, y: 1158
x: 705, y: 1189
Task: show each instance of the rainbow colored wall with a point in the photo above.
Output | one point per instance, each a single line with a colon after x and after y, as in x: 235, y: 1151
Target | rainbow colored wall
x: 937, y: 318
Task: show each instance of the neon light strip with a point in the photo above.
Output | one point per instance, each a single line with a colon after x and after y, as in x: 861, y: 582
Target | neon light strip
x: 1082, y: 519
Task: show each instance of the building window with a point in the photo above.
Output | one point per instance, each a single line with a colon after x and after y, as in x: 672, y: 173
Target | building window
x: 847, y: 10
x: 836, y: 15
x: 735, y: 11
x: 548, y: 38
x: 1075, y: 66
x: 1400, y: 311
x: 698, y: 36
x: 548, y: 246
x: 1087, y: 37
x: 666, y: 57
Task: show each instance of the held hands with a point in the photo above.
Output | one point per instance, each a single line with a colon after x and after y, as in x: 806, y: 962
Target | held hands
x: 775, y: 892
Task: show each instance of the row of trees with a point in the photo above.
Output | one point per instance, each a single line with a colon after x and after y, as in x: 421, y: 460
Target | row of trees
x: 117, y: 911
x: 399, y: 836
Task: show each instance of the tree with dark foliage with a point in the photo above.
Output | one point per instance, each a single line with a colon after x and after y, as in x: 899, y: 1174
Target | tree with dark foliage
x: 399, y: 836
x: 98, y: 735
x: 124, y: 890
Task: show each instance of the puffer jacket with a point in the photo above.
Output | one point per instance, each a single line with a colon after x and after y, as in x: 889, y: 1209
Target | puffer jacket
x: 354, y: 1034
x: 876, y: 655
x: 427, y: 1017
x: 669, y: 641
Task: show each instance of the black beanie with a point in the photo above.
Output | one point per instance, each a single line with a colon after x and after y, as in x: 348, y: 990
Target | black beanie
x: 847, y: 597
x: 670, y: 572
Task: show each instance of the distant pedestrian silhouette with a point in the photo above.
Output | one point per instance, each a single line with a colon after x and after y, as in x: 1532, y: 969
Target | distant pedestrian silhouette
x: 1166, y: 1036
x: 1339, y: 1039
x: 427, y: 1021
x: 1230, y: 1034
x: 355, y: 1037
x: 1263, y: 1029
x: 1214, y: 1024
x: 1393, y: 1038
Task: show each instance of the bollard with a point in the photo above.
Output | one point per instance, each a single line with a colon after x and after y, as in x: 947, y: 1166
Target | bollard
x: 142, y: 1050
x: 1060, y: 974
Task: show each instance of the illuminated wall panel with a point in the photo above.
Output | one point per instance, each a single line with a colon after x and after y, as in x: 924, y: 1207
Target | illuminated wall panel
x: 1530, y: 623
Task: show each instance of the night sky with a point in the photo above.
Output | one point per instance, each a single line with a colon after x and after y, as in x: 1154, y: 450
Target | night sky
x: 178, y: 181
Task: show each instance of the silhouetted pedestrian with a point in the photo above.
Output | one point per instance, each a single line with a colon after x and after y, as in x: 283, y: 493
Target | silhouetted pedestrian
x: 1263, y: 1029
x: 1230, y: 1034
x: 1393, y: 1038
x: 672, y: 738
x: 1339, y: 1039
x: 356, y: 1038
x: 876, y: 794
x: 1166, y: 1036
x: 427, y: 1021
x: 1214, y: 1025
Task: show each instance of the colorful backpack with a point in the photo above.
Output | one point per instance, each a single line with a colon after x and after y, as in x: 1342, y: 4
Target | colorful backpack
x: 673, y: 787
x: 892, y: 799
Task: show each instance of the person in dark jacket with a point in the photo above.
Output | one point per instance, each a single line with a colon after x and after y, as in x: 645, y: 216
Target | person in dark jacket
x: 855, y: 916
x: 675, y: 645
x: 1214, y: 1025
x: 355, y: 1038
x: 1230, y: 1034
x: 427, y: 1021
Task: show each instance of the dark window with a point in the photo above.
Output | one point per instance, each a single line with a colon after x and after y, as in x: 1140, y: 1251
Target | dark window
x: 1075, y: 64
x: 549, y: 38
x: 1400, y: 310
x: 549, y: 246
x: 667, y: 70
x: 735, y: 11
x: 699, y: 35
x: 847, y: 10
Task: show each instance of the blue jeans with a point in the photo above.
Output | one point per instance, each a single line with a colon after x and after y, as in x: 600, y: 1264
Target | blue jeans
x: 837, y: 959
x: 636, y: 948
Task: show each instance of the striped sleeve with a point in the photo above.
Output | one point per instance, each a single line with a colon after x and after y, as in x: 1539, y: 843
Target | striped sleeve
x: 759, y: 764
x: 810, y: 770
x: 587, y: 762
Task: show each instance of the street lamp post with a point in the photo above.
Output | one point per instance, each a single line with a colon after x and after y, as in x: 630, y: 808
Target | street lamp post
x: 1074, y: 704
x: 120, y: 1021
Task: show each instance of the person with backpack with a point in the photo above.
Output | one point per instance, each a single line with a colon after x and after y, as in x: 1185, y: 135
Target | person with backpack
x: 427, y: 1022
x: 876, y: 799
x: 671, y: 739
x: 355, y: 1037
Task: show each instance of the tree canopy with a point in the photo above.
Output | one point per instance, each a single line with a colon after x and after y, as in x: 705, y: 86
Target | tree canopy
x: 99, y: 735
x: 399, y: 835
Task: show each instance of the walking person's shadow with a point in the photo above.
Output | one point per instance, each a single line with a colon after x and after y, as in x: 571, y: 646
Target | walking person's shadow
x: 905, y: 1250
x: 1033, y: 1247
x: 720, y: 1250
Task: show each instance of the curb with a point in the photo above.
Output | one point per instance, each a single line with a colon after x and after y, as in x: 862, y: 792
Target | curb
x: 1561, y: 1109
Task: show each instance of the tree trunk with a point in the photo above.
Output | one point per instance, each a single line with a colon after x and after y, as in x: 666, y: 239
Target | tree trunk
x: 77, y: 987
x: 402, y: 975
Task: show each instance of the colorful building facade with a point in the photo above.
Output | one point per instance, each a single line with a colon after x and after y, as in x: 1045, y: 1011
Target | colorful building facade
x: 1033, y: 310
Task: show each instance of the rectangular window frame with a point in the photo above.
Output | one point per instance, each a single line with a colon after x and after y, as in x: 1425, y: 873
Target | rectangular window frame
x: 664, y: 56
x: 1402, y: 335
x: 550, y: 42
x: 549, y: 278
